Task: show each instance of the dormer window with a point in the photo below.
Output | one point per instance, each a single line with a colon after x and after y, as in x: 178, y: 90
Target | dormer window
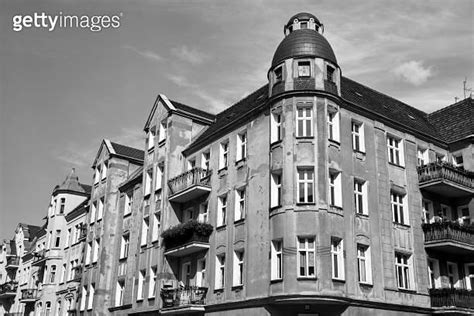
x: 330, y: 73
x: 278, y: 74
x: 304, y: 69
x: 304, y: 25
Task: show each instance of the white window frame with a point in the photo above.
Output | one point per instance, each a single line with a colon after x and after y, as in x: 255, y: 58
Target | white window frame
x: 152, y: 283
x: 159, y: 177
x: 300, y: 68
x: 305, y: 182
x: 220, y: 272
x: 222, y: 210
x: 206, y: 160
x: 145, y: 230
x: 162, y: 131
x: 433, y: 273
x: 308, y: 255
x: 125, y: 246
x: 148, y: 181
x: 275, y: 189
x: 304, y: 119
x: 128, y: 203
x: 399, y: 210
x: 427, y: 211
x: 90, y: 302
x: 464, y: 219
x: 361, y: 197
x: 203, y: 216
x: 364, y: 264
x: 201, y: 272
x: 241, y: 146
x: 335, y: 188
x: 333, y: 119
x: 119, y: 292
x: 95, y: 252
x: 93, y: 212
x: 337, y: 258
x: 100, y: 209
x: 422, y: 157
x: 103, y: 171
x: 141, y: 284
x: 240, y: 204
x: 358, y: 136
x: 88, y: 252
x: 453, y: 276
x: 151, y: 139
x: 469, y: 277
x: 83, y: 298
x: 238, y: 275
x: 223, y: 155
x: 404, y: 265
x: 395, y: 150
x: 275, y: 127
x: 277, y: 259
x: 156, y: 226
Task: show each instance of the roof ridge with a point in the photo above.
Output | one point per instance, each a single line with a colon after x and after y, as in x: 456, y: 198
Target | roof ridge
x: 390, y: 97
x: 451, y: 106
x: 242, y: 100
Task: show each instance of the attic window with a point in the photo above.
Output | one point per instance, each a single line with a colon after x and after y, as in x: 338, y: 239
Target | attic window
x: 304, y: 69
x: 278, y: 74
x: 411, y: 117
x: 330, y: 73
x: 304, y: 25
x: 359, y: 94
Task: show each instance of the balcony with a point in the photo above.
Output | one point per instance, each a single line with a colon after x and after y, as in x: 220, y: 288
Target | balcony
x: 13, y: 263
x: 29, y: 295
x: 189, y: 185
x: 446, y: 180
x: 8, y: 289
x: 453, y: 299
x: 187, y: 300
x: 39, y: 258
x: 450, y: 237
x: 187, y: 238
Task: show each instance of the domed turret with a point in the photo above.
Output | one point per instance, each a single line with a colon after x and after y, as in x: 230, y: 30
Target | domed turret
x: 304, y: 60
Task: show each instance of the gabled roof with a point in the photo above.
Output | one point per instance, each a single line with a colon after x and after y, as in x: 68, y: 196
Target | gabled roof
x: 454, y: 122
x: 387, y: 107
x: 29, y: 231
x: 253, y: 103
x: 122, y: 151
x: 178, y: 108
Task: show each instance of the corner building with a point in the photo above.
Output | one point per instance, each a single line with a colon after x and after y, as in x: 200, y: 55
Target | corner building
x: 307, y: 197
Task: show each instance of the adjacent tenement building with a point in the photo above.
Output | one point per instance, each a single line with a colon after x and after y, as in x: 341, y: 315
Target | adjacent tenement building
x: 313, y: 195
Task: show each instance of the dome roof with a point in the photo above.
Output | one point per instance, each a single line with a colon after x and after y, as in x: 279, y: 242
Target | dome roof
x: 303, y: 16
x: 303, y: 43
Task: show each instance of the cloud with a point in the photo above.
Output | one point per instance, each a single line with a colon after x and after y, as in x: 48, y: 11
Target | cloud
x: 190, y: 55
x: 130, y: 136
x: 413, y: 72
x: 146, y: 53
x: 181, y: 81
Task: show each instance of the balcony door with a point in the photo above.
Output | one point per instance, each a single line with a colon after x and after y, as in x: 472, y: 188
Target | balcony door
x: 453, y: 274
x: 186, y: 274
x: 464, y: 217
x: 188, y: 214
x: 469, y: 271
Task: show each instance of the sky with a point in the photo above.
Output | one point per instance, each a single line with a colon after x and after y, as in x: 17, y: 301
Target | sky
x: 63, y: 91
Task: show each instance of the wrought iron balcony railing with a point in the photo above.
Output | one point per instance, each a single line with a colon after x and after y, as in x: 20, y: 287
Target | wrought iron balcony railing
x: 187, y: 238
x: 449, y: 231
x: 189, y: 185
x: 438, y: 172
x: 8, y: 289
x: 13, y: 262
x: 183, y: 297
x: 452, y: 298
x: 29, y: 295
x: 39, y: 257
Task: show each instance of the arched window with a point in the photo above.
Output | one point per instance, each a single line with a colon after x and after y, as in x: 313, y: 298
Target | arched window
x: 47, y: 311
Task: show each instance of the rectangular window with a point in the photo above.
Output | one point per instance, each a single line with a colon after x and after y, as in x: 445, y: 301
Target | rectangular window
x: 52, y: 274
x: 335, y: 188
x: 333, y: 124
x: 141, y: 284
x: 464, y: 217
x: 125, y: 246
x: 305, y: 186
x: 145, y: 228
x: 152, y: 285
x: 275, y: 189
x: 201, y: 272
x: 91, y: 296
x: 427, y: 209
x: 104, y: 171
x: 239, y: 204
x: 203, y: 216
x: 205, y: 160
x: 97, y: 174
x: 306, y: 257
x: 100, y: 209
x: 360, y: 197
x: 337, y: 258
x: 62, y: 205
x: 128, y: 203
x: 422, y: 156
x: 221, y: 210
x: 88, y: 252
x: 275, y: 127
x: 63, y: 273
x: 68, y: 237
x: 395, y: 150
x: 330, y: 73
x: 119, y: 293
x: 241, y: 146
x: 223, y: 156
x: 403, y: 270
x: 400, y: 214
x: 304, y: 69
x: 148, y: 181
x: 83, y: 298
x: 57, y: 239
x: 238, y: 268
x: 151, y: 139
x: 162, y: 131
x: 95, y: 253
x: 93, y: 212
x: 277, y: 260
x: 469, y: 272
x: 156, y: 226
x: 364, y: 264
x: 458, y: 160
x: 453, y: 274
x: 220, y: 272
x: 358, y: 141
x: 159, y: 177
x: 304, y: 121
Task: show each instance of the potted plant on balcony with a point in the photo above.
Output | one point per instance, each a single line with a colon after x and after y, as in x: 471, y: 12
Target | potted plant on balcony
x: 182, y: 233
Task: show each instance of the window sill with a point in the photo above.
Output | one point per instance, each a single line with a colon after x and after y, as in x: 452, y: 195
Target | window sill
x: 359, y: 155
x: 220, y: 290
x: 127, y: 215
x: 139, y: 299
x: 151, y: 298
x: 161, y: 142
x: 220, y: 228
x: 305, y: 138
x: 338, y: 280
x: 336, y: 207
x: 334, y: 143
x: 272, y: 208
x: 222, y: 172
x: 120, y: 307
x: 240, y: 163
x: 407, y: 291
x: 365, y: 284
x: 305, y: 203
x: 155, y: 241
x: 274, y: 281
x: 151, y: 149
x: 400, y: 225
x: 361, y: 215
x: 239, y: 222
x: 302, y: 278
x: 123, y: 259
x: 237, y: 288
x: 397, y: 166
x: 275, y: 144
